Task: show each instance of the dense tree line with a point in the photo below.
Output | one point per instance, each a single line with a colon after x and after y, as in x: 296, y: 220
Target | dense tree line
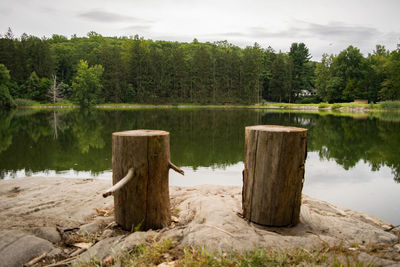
x: 96, y: 69
x: 350, y: 75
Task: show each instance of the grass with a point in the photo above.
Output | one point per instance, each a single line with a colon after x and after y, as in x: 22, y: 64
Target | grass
x: 153, y: 253
x: 390, y: 105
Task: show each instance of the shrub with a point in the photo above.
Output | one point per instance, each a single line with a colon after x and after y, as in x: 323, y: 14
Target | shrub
x: 336, y: 106
x: 323, y: 105
x: 21, y: 102
x: 390, y: 105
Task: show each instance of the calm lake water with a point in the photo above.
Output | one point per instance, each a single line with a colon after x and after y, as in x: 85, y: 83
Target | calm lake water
x: 352, y: 161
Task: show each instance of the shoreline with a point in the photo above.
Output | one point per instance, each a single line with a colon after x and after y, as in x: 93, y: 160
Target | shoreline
x: 295, y: 107
x: 205, y: 216
x: 321, y: 107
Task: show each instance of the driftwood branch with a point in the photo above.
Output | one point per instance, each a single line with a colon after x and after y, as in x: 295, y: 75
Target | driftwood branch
x: 35, y: 260
x: 172, y: 166
x: 65, y: 262
x: 120, y: 184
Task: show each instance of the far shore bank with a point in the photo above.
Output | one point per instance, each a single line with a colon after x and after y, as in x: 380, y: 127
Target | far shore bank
x: 352, y: 107
x: 347, y: 107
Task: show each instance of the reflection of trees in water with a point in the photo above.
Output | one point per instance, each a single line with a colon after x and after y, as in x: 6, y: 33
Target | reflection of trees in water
x: 56, y: 120
x: 87, y: 127
x: 348, y: 141
x: 6, y: 132
x: 81, y: 139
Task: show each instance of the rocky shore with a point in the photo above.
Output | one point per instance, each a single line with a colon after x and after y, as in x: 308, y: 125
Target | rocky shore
x: 50, y: 221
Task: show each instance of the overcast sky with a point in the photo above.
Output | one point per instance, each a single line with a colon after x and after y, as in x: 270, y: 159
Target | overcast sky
x: 323, y: 25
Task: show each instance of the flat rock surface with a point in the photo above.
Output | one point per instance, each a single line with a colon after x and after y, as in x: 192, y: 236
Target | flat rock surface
x: 38, y: 202
x: 17, y: 247
x: 206, y: 215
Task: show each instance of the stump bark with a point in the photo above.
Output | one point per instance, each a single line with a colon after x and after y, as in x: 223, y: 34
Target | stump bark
x: 273, y: 174
x: 143, y: 201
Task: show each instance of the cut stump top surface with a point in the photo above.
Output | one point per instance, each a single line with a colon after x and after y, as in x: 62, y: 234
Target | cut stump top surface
x: 141, y: 133
x: 275, y: 128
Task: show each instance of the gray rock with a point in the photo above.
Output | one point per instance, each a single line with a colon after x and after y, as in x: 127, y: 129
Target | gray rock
x: 100, y: 250
x: 114, y: 245
x: 49, y: 233
x: 91, y: 228
x: 135, y: 239
x: 17, y: 247
x: 369, y: 259
x: 107, y: 233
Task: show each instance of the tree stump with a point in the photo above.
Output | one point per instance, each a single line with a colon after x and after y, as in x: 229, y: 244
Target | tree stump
x: 273, y: 174
x: 141, y: 198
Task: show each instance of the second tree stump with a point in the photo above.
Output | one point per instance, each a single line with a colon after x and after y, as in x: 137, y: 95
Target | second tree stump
x: 274, y: 173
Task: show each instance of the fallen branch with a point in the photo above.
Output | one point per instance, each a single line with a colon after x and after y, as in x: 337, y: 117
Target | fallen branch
x: 222, y: 230
x: 120, y: 184
x: 172, y: 166
x: 35, y: 260
x: 78, y: 252
x: 63, y: 262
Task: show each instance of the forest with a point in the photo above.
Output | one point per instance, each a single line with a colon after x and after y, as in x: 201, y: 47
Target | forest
x: 94, y: 69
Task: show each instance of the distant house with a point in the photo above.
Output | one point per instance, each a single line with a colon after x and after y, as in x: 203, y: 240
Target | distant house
x: 308, y: 92
x: 361, y: 101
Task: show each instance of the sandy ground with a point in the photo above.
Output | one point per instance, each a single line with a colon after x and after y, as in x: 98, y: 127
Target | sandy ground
x: 207, y: 215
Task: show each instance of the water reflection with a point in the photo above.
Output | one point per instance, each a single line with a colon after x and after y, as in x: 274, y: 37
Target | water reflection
x: 80, y: 140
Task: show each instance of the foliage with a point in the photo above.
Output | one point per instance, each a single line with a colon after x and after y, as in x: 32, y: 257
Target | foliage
x: 336, y: 106
x: 389, y: 105
x: 323, y: 105
x: 136, y: 70
x: 21, y: 102
x: 37, y: 88
x: 302, y: 70
x: 86, y: 84
x: 6, y: 101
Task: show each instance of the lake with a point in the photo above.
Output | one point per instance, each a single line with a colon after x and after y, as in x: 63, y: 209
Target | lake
x: 353, y: 161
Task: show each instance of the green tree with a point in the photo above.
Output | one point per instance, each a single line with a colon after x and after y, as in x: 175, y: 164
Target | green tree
x: 37, y: 88
x: 391, y: 85
x: 65, y: 60
x: 280, y: 78
x: 302, y: 71
x: 323, y: 76
x: 32, y: 86
x: 251, y: 74
x: 6, y: 101
x: 201, y: 74
x: 87, y: 84
x: 350, y: 67
x: 268, y: 60
x: 8, y: 52
x: 109, y: 56
x: 39, y: 59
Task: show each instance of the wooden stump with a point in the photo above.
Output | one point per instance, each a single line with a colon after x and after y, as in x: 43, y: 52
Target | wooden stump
x: 143, y: 200
x: 273, y: 174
